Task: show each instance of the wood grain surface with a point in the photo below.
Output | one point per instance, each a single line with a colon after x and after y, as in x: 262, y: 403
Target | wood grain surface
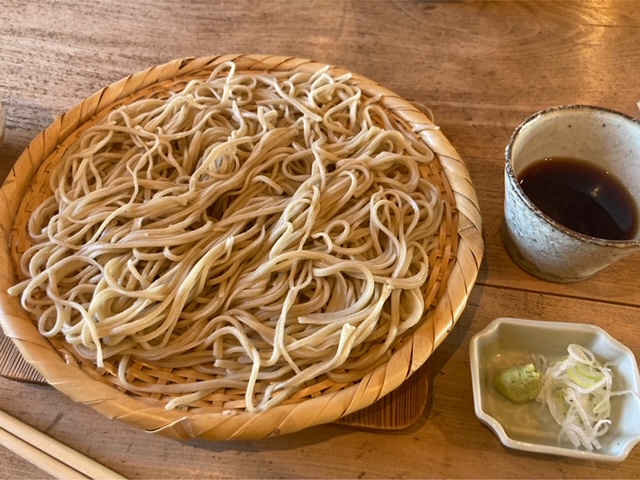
x: 481, y: 67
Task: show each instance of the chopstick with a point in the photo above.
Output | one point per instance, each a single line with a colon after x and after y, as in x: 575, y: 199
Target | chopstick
x: 38, y: 457
x: 48, y: 454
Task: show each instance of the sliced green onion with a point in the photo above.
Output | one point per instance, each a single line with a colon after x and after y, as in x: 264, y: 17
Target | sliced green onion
x: 577, y: 391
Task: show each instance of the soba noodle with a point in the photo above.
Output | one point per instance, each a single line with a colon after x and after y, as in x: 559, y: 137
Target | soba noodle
x: 265, y: 230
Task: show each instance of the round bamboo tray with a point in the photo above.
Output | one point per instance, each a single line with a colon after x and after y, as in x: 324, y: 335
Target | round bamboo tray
x: 454, y: 268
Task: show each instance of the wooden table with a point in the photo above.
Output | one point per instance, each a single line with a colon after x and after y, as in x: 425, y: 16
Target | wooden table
x: 482, y: 67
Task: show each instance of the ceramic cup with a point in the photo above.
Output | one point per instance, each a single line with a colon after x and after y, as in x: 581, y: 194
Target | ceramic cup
x: 536, y: 243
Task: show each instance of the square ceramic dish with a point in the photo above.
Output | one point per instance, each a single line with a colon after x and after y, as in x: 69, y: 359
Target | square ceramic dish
x: 507, y: 342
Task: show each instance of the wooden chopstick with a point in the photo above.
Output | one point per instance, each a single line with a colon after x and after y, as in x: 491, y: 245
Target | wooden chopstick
x: 48, y: 454
x: 38, y: 457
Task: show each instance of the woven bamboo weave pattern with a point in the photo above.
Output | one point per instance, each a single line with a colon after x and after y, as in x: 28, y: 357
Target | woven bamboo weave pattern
x: 453, y: 270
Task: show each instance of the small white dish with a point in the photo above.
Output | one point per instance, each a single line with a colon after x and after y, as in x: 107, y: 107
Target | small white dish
x: 509, y: 341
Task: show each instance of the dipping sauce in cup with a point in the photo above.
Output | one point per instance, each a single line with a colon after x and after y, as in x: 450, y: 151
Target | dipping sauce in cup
x: 582, y: 196
x: 572, y: 184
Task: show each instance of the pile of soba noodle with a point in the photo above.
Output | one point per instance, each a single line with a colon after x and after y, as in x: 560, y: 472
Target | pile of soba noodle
x: 263, y: 230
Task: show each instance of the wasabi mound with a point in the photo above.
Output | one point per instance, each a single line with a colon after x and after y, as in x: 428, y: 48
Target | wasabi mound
x: 520, y: 384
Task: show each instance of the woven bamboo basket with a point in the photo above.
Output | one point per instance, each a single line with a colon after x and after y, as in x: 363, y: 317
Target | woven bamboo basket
x: 454, y: 268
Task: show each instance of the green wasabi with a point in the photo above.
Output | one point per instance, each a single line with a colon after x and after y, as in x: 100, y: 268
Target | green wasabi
x: 520, y: 384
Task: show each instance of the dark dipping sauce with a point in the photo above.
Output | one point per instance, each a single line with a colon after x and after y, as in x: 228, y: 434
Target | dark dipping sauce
x: 581, y: 196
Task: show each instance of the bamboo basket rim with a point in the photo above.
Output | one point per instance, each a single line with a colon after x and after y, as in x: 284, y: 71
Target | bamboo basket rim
x: 448, y: 295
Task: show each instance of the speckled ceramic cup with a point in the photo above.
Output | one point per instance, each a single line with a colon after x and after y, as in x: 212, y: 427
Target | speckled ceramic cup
x: 536, y: 243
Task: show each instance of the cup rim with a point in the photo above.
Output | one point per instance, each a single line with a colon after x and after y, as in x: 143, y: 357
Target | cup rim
x: 621, y: 244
